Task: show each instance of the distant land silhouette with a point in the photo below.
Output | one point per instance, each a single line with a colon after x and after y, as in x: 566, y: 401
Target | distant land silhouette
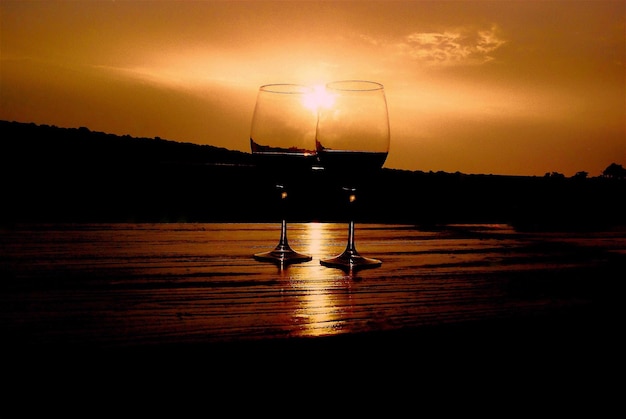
x: 52, y: 174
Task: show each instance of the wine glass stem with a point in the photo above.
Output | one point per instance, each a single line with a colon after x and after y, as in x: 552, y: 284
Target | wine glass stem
x: 351, y: 248
x: 283, y: 235
x: 283, y: 244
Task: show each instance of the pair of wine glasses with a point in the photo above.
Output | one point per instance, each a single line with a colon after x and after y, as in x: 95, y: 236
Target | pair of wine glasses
x: 342, y: 128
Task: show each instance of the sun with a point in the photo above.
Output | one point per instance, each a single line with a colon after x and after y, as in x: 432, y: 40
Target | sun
x: 318, y: 98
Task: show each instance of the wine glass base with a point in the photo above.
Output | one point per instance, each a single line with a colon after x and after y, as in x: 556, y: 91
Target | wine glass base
x: 283, y: 256
x: 351, y: 261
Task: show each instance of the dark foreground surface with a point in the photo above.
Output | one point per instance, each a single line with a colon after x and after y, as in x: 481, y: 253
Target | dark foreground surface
x: 458, y: 299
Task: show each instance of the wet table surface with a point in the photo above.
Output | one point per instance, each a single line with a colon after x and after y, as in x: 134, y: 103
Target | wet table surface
x: 129, y: 285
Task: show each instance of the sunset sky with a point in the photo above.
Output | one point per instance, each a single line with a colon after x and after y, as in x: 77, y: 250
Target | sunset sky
x: 495, y: 87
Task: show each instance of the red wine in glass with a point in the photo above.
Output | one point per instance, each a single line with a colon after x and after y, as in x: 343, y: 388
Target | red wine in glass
x: 352, y: 143
x: 281, y: 142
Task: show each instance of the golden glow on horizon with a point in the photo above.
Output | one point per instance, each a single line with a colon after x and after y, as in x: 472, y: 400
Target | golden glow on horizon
x: 476, y: 87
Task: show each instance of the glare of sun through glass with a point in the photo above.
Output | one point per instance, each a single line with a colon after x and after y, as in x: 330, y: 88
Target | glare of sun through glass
x: 319, y: 97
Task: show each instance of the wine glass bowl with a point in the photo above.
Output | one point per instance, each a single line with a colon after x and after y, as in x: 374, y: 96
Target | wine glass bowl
x: 353, y: 134
x: 352, y: 143
x: 282, y: 143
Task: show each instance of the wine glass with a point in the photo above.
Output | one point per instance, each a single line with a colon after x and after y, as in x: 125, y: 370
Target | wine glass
x: 281, y: 139
x: 352, y: 143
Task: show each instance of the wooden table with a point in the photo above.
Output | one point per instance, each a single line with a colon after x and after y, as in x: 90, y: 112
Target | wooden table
x: 117, y: 286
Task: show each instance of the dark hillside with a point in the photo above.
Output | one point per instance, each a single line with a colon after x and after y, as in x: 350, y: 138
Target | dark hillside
x: 37, y: 143
x: 75, y: 175
x: 51, y: 174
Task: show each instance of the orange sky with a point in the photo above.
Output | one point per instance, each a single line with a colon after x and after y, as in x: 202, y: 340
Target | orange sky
x: 500, y: 87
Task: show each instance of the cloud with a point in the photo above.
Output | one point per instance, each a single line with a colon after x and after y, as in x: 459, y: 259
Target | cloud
x: 467, y: 46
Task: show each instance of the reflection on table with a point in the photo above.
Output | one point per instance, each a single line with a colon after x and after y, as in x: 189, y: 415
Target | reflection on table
x: 118, y: 285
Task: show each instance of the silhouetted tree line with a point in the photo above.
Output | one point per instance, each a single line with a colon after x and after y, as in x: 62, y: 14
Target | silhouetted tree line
x: 52, y: 174
x: 615, y: 171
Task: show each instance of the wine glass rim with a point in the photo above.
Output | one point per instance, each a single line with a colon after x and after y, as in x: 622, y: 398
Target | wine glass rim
x: 372, y: 85
x: 286, y: 88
